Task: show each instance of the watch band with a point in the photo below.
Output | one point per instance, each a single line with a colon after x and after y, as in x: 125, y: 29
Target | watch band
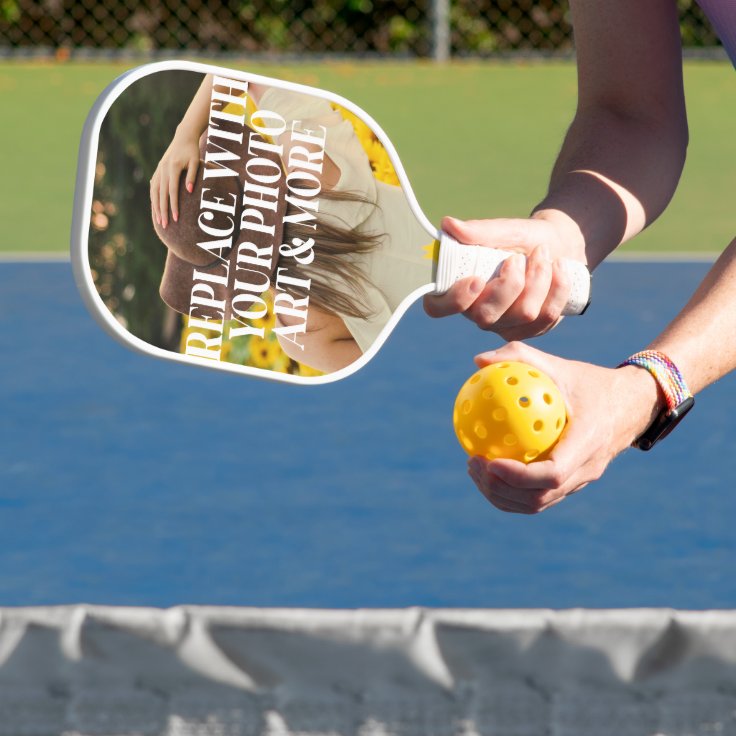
x: 676, y: 393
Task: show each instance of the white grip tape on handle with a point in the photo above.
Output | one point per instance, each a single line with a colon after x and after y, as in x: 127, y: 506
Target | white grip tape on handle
x: 457, y: 261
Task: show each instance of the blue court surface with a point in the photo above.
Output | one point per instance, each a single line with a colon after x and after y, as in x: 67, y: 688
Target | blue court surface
x: 126, y: 480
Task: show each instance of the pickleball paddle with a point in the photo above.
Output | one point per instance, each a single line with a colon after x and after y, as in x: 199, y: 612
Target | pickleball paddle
x: 254, y: 225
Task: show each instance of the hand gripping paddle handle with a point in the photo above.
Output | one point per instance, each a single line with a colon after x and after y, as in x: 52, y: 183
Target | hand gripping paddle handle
x: 457, y: 261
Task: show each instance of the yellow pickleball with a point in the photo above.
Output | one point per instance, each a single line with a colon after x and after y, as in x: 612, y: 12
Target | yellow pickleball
x: 509, y: 410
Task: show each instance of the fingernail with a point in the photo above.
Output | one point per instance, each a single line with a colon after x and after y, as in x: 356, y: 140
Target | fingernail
x: 190, y: 187
x: 176, y: 216
x: 163, y: 224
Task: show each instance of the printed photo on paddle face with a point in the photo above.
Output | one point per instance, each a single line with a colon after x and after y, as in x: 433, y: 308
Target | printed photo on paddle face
x: 250, y: 224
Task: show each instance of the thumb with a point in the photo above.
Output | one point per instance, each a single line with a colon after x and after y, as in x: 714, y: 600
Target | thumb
x: 519, y: 234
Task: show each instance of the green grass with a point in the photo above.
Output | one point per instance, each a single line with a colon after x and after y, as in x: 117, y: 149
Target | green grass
x: 477, y: 140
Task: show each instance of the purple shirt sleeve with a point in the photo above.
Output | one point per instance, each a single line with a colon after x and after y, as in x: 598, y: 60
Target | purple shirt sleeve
x: 722, y: 14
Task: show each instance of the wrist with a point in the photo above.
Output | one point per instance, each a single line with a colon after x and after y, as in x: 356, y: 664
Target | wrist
x: 187, y: 132
x: 642, y: 400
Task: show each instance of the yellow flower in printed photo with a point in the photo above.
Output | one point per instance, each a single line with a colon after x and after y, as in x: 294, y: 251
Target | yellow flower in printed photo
x: 282, y: 364
x: 268, y: 322
x: 305, y: 370
x: 378, y: 158
x: 227, y: 347
x: 263, y: 353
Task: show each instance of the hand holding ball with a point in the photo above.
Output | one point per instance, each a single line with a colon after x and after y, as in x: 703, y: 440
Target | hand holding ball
x: 509, y: 410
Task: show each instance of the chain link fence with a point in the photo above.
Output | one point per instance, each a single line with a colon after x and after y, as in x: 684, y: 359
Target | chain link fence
x: 417, y: 28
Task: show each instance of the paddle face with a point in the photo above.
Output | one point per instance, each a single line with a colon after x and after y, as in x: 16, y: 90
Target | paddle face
x: 246, y: 224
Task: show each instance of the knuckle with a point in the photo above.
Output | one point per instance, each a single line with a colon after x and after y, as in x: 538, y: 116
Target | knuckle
x: 486, y: 322
x: 507, y: 335
x: 560, y: 279
x: 527, y: 312
x: 483, y: 316
x: 557, y: 477
x: 549, y: 314
x: 514, y: 280
x: 597, y: 470
x: 517, y: 347
x: 536, y: 505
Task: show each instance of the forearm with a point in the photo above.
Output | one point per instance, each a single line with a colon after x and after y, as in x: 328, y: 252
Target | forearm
x: 697, y: 341
x: 197, y: 115
x: 614, y: 176
x: 624, y: 152
x: 700, y: 340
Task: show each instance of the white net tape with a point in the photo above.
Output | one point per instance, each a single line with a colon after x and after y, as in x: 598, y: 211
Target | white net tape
x: 192, y: 671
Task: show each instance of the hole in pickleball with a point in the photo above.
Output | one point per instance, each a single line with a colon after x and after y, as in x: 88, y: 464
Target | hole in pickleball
x: 467, y: 406
x: 475, y: 378
x: 524, y: 402
x: 558, y: 424
x: 512, y: 380
x: 499, y: 414
x: 487, y: 393
x: 538, y: 425
x: 480, y: 429
x: 503, y: 365
x: 547, y: 399
x: 534, y: 374
x: 509, y: 440
x: 529, y: 455
x: 466, y: 443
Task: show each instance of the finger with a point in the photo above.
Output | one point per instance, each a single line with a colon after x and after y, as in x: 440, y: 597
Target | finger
x: 566, y: 469
x: 537, y: 285
x: 459, y: 298
x: 542, y: 474
x: 515, y: 350
x: 507, y: 506
x: 497, y: 233
x: 530, y: 499
x: 174, y: 194
x: 558, y: 296
x: 192, y: 173
x: 498, y: 500
x: 499, y: 294
x: 163, y: 201
x: 522, y: 319
x: 154, y: 198
x: 550, y: 313
x: 555, y: 501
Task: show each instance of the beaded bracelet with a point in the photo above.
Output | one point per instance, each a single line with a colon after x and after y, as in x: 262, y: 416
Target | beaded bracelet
x: 676, y: 393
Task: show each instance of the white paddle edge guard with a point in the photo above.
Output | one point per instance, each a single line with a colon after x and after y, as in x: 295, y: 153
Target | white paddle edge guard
x: 458, y: 261
x: 83, y: 206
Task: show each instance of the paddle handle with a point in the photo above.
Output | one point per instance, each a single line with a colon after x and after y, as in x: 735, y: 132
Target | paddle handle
x: 457, y: 261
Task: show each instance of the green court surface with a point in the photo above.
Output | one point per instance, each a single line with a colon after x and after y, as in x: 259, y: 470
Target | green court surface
x: 477, y: 140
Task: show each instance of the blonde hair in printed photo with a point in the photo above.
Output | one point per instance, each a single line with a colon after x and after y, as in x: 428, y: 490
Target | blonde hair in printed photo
x: 266, y: 352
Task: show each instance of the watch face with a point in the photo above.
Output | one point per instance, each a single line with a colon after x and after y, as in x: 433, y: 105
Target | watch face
x: 664, y: 424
